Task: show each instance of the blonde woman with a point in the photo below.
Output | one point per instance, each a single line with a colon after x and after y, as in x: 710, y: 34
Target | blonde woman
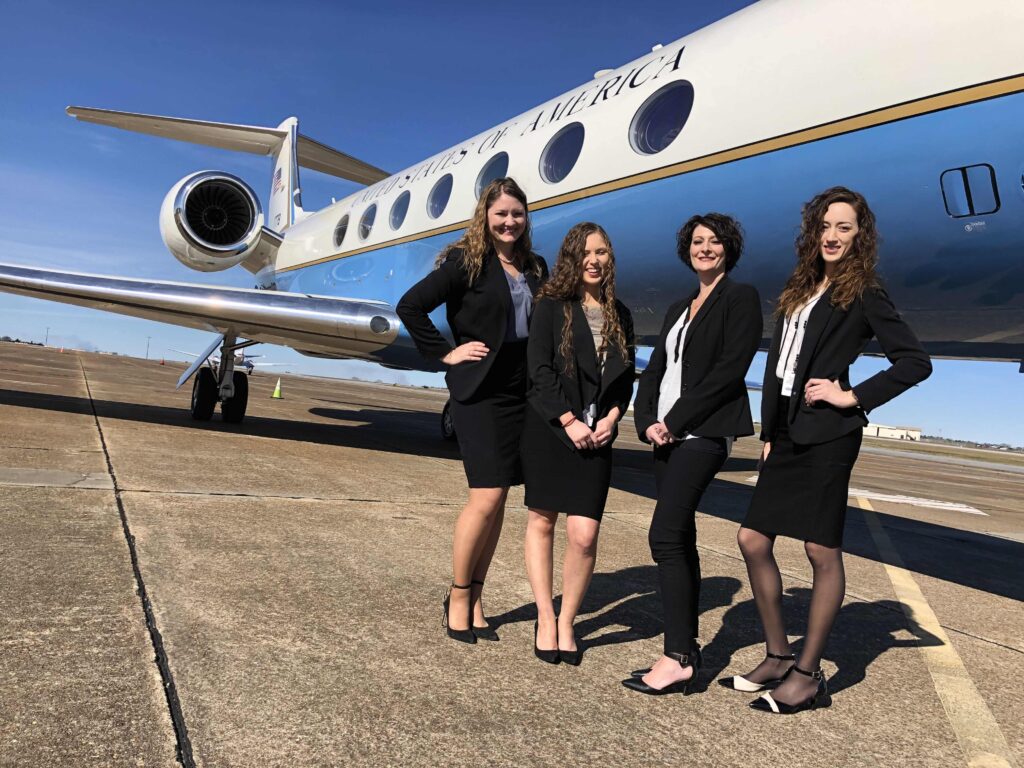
x: 486, y: 280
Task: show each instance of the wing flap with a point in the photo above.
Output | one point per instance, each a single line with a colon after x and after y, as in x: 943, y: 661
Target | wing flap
x: 342, y: 327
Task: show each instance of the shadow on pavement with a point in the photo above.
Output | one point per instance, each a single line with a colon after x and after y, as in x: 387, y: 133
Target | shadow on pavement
x: 863, y: 631
x: 975, y: 560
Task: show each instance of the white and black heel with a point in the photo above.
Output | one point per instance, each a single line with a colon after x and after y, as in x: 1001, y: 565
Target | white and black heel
x: 820, y: 697
x: 740, y: 683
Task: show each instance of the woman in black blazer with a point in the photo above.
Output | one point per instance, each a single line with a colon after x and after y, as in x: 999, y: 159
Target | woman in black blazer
x: 486, y: 281
x: 691, y: 404
x: 811, y: 423
x: 580, y: 360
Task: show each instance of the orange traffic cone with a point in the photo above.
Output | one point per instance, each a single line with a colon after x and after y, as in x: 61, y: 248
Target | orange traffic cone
x: 62, y: 350
x: 161, y: 361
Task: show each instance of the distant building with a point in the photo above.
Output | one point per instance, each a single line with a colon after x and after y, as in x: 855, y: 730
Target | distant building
x: 893, y: 433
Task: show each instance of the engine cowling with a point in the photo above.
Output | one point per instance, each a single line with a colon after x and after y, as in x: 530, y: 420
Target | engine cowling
x: 211, y: 221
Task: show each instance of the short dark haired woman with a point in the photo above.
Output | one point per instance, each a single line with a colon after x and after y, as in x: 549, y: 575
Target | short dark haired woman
x: 692, y: 403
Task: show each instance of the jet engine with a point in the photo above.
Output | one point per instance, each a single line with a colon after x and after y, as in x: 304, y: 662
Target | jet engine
x: 211, y: 221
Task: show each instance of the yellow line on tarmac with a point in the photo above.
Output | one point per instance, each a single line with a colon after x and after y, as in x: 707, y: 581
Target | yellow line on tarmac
x: 976, y: 729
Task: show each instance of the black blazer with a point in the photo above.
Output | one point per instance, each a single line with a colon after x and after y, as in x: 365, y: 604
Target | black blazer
x: 833, y: 339
x: 552, y: 392
x: 477, y: 312
x: 719, y: 345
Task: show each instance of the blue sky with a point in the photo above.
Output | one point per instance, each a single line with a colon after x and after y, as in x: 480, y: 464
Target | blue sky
x: 389, y: 82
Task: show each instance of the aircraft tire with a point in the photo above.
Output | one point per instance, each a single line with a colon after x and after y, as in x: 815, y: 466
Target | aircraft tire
x: 232, y: 410
x: 204, y: 395
x: 447, y: 423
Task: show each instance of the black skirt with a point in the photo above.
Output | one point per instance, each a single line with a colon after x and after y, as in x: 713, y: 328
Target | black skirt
x: 560, y: 478
x: 802, y: 490
x: 489, y: 425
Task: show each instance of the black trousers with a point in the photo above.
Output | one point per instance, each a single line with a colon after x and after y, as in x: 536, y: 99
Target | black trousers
x: 682, y: 472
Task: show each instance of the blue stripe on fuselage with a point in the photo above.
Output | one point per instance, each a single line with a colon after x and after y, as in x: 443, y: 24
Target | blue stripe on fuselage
x: 936, y: 267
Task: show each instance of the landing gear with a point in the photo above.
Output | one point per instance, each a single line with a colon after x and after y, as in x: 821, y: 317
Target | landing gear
x: 217, y: 380
x: 232, y: 409
x: 204, y: 394
x: 447, y: 423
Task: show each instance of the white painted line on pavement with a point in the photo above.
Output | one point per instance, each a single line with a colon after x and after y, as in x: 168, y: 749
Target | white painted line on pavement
x: 913, y: 501
x: 975, y: 728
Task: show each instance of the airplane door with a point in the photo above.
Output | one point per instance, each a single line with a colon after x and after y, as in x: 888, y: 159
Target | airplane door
x: 970, y: 190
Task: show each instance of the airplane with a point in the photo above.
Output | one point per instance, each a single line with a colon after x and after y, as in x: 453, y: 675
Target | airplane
x: 917, y: 104
x: 248, y: 362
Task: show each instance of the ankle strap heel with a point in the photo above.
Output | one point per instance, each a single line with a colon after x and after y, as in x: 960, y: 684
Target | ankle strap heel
x: 818, y: 674
x: 462, y: 635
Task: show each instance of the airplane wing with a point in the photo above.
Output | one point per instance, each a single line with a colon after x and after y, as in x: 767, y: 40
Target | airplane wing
x: 183, y: 352
x: 330, y: 326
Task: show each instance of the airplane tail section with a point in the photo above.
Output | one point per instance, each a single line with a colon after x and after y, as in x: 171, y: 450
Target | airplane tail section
x: 288, y: 148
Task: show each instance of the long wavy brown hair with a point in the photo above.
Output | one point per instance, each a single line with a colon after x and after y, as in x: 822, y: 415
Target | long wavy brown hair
x: 476, y: 242
x: 566, y: 285
x: 854, y: 273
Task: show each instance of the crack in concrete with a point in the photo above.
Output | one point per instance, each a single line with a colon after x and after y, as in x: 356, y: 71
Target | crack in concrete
x: 183, y: 746
x: 57, y: 450
x: 289, y: 497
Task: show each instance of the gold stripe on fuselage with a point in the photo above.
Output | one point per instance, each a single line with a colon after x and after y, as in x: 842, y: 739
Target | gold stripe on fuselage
x: 937, y: 103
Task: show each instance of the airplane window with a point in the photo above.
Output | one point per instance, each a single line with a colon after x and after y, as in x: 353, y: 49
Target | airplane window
x: 399, y: 209
x: 340, y: 230
x: 366, y: 223
x: 661, y: 118
x: 437, y: 201
x: 496, y: 168
x: 970, y: 190
x: 561, y: 153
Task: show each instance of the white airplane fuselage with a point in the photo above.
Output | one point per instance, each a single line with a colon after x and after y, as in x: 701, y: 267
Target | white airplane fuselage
x: 788, y: 98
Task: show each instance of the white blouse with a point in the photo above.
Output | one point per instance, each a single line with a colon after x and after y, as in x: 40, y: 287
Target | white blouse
x: 671, y: 382
x: 792, y: 343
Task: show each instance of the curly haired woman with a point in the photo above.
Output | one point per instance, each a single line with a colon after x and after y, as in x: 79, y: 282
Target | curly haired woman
x: 811, y: 423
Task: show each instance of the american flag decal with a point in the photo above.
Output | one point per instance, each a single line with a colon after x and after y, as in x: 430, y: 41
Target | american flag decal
x: 278, y: 183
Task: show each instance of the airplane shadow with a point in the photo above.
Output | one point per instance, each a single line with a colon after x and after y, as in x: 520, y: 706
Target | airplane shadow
x: 974, y: 560
x: 398, y: 431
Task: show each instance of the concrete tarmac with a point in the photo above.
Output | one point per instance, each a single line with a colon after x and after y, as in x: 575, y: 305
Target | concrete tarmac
x: 269, y: 594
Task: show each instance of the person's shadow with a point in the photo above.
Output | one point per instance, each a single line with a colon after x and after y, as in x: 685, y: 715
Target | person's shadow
x: 635, y: 610
x: 861, y: 634
x: 628, y: 600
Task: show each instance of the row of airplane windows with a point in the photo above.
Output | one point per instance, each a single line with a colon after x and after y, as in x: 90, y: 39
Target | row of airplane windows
x: 654, y: 126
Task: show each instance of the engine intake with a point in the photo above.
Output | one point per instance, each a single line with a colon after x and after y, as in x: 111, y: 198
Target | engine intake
x: 211, y: 221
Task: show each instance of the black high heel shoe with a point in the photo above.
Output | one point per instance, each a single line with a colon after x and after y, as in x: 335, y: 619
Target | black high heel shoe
x: 820, y: 697
x: 686, y: 687
x: 549, y: 657
x: 486, y: 632
x: 462, y: 635
x: 645, y: 670
x: 740, y: 683
x: 572, y: 658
